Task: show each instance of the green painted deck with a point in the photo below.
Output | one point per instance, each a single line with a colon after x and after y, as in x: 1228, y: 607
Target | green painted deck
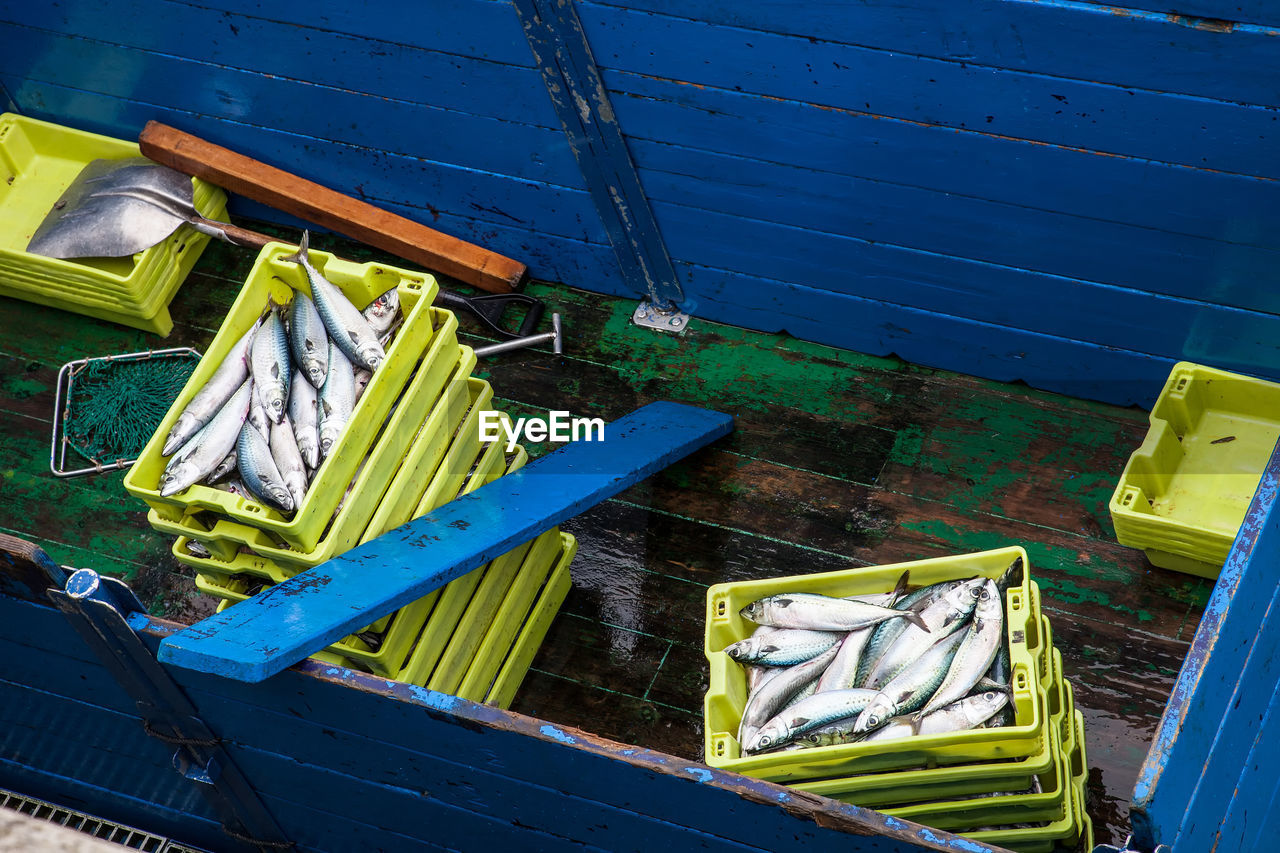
x: 838, y: 460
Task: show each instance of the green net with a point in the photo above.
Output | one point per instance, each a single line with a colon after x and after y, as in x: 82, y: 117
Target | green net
x: 114, y: 406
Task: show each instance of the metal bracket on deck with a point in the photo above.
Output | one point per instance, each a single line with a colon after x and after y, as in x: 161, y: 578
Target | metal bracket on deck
x: 670, y: 319
x: 1126, y: 848
x: 98, y: 608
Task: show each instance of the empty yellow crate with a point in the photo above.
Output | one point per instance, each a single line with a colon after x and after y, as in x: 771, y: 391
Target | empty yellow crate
x: 1184, y: 492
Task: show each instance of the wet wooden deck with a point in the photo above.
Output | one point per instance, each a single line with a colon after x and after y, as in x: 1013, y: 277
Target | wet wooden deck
x: 838, y: 460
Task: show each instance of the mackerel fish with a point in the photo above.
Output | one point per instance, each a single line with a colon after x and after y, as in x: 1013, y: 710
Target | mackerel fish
x: 259, y: 470
x: 912, y: 687
x: 308, y: 340
x: 269, y: 365
x: 775, y: 692
x: 942, y: 616
x: 304, y: 416
x: 810, y: 713
x: 337, y: 399
x: 289, y: 462
x: 970, y: 712
x: 381, y: 313
x: 782, y: 648
x: 209, y: 446
x: 226, y: 380
x: 976, y: 651
x: 821, y: 612
x: 346, y: 325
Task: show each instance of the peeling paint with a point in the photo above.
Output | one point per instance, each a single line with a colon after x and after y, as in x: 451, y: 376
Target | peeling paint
x: 553, y: 732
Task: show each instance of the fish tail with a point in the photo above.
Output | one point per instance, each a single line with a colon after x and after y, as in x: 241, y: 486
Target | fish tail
x: 916, y: 619
x: 915, y: 722
x: 303, y: 253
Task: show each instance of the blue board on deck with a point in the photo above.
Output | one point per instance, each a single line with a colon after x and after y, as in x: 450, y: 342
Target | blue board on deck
x: 270, y: 632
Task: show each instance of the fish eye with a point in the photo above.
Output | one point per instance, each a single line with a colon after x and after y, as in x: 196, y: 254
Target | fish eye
x: 765, y: 740
x: 989, y: 695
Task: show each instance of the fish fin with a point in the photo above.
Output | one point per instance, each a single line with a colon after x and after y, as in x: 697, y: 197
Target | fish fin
x: 916, y: 619
x: 768, y: 650
x: 800, y: 721
x: 275, y: 370
x: 900, y: 589
x: 782, y: 602
x: 915, y: 722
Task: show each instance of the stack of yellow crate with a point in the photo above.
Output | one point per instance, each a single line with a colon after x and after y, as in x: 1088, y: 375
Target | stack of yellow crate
x: 1019, y: 786
x: 413, y: 444
x: 38, y: 162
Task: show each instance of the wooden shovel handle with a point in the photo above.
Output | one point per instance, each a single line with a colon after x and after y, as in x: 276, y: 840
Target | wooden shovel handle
x: 331, y: 209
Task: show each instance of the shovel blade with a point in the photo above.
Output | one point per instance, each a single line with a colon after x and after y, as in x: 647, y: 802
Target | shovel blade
x: 115, y: 208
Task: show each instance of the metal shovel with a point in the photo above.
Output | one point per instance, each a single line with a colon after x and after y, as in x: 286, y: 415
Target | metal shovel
x: 115, y: 208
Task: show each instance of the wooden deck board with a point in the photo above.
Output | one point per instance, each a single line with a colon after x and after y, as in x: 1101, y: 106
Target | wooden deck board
x: 839, y: 460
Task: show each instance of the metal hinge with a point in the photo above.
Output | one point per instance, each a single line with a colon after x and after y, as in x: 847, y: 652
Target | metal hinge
x: 670, y: 319
x: 1127, y: 848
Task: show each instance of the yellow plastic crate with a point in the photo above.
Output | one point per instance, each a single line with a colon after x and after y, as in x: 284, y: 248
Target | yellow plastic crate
x: 271, y: 276
x: 426, y: 417
x: 1184, y: 492
x: 728, y: 692
x: 38, y: 161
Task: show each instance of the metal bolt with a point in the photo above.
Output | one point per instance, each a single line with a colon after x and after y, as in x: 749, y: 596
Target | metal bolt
x: 675, y: 321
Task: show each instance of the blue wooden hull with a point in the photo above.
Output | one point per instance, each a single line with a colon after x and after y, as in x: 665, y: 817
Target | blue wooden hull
x: 1059, y: 191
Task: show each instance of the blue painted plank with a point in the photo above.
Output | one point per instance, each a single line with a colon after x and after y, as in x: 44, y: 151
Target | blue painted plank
x: 1239, y: 728
x: 1202, y: 695
x: 1251, y: 820
x: 1003, y: 353
x: 958, y: 287
x: 1192, y: 131
x: 386, y: 68
x: 1108, y: 43
x: 961, y: 226
x: 328, y: 113
x: 274, y: 630
x: 1217, y: 11
x: 303, y: 715
x: 1110, y: 188
x: 1231, y: 208
x: 483, y: 29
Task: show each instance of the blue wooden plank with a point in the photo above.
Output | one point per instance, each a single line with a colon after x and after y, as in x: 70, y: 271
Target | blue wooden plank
x: 370, y: 729
x: 1250, y: 820
x: 1206, y: 685
x: 272, y: 631
x: 1218, y: 12
x: 1005, y: 296
x: 483, y: 29
x: 572, y: 81
x: 1003, y: 353
x: 329, y: 113
x: 1109, y: 43
x: 1191, y: 131
x: 386, y: 68
x: 1231, y: 208
x: 961, y: 226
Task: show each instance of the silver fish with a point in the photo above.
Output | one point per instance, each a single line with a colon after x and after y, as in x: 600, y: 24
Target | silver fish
x: 304, y: 416
x: 337, y: 399
x: 258, y: 415
x: 942, y: 616
x: 821, y: 612
x: 842, y: 672
x: 284, y: 450
x: 887, y: 632
x: 912, y: 687
x: 782, y: 648
x: 229, y: 376
x: 235, y: 486
x: 976, y: 652
x: 224, y: 469
x: 362, y: 377
x: 269, y: 363
x: 344, y: 322
x: 1010, y: 577
x: 308, y: 339
x: 381, y: 312
x: 811, y: 713
x: 968, y: 713
x: 774, y: 693
x: 209, y: 446
x: 259, y: 470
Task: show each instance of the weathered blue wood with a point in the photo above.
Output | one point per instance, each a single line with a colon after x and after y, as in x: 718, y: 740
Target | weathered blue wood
x: 882, y: 212
x: 1192, y: 729
x: 1123, y: 46
x: 1191, y: 131
x: 1218, y: 12
x: 274, y: 630
x: 573, y: 83
x: 1251, y: 821
x: 434, y: 74
x: 1002, y: 295
x: 1232, y: 208
x: 327, y: 113
x: 481, y: 29
x: 316, y: 732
